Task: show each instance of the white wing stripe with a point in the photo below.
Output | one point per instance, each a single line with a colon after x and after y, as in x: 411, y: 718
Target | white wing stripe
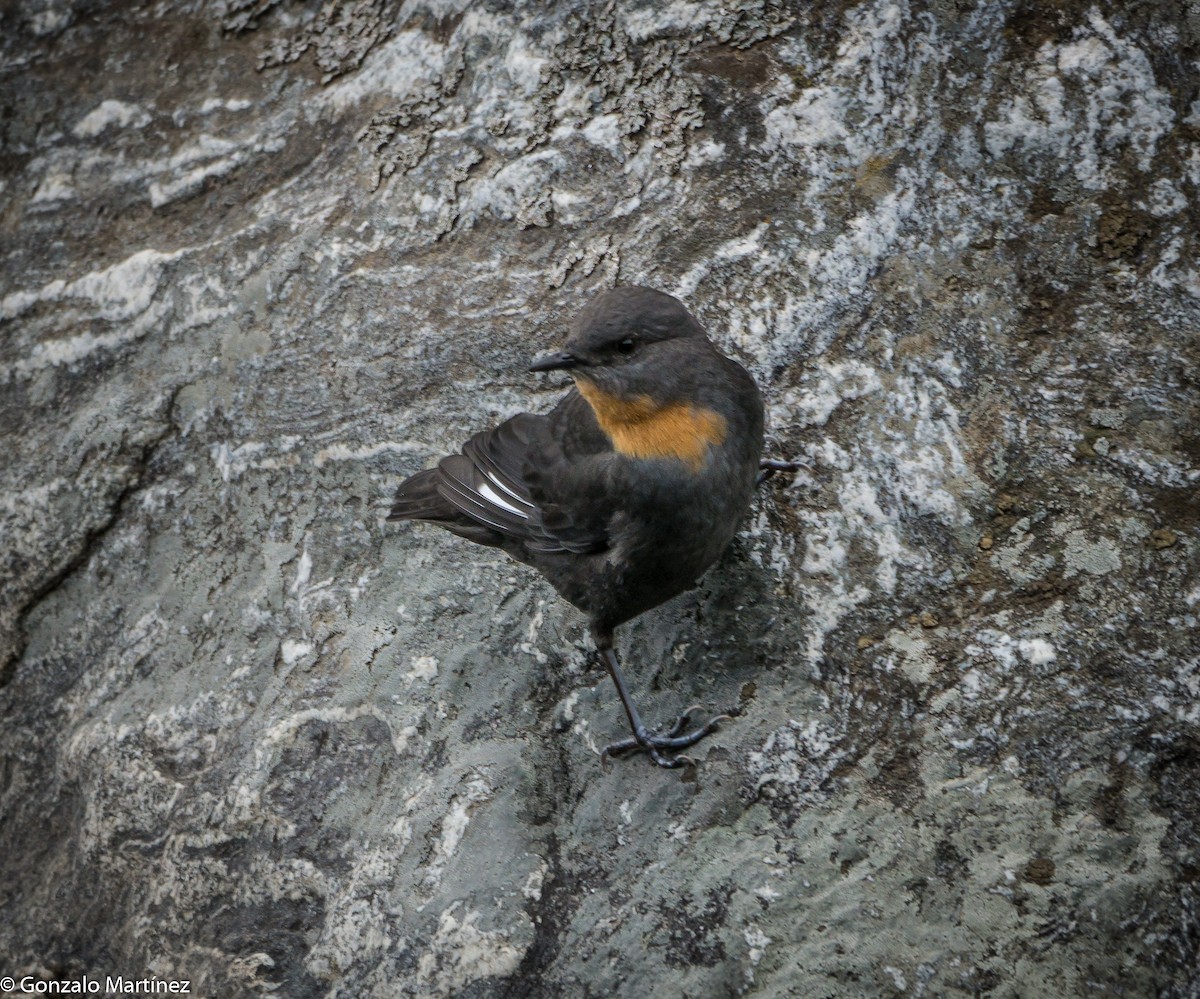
x: 515, y: 495
x: 490, y: 494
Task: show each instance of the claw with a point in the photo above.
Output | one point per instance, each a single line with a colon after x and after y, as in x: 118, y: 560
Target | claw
x: 661, y: 760
x: 655, y: 745
x: 769, y: 466
x: 652, y: 744
x: 670, y: 762
x: 682, y: 721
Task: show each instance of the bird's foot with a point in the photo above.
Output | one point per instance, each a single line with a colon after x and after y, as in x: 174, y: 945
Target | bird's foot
x: 769, y: 466
x: 655, y: 745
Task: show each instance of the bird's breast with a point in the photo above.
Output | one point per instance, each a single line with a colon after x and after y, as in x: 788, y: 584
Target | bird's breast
x: 642, y: 428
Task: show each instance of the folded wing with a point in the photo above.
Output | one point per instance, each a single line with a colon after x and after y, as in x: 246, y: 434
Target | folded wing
x: 484, y: 494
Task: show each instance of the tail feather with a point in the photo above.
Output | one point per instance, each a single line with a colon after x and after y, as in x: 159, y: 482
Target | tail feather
x: 418, y: 499
x: 421, y: 498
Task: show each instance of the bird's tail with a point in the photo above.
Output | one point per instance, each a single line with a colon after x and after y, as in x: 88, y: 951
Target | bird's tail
x: 418, y: 499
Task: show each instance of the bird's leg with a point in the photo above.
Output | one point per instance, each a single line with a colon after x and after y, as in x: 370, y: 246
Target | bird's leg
x: 643, y: 738
x: 769, y: 466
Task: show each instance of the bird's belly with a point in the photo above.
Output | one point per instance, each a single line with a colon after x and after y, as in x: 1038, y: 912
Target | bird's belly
x: 656, y: 555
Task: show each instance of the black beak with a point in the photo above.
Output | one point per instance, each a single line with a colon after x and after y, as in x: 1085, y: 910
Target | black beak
x: 555, y: 362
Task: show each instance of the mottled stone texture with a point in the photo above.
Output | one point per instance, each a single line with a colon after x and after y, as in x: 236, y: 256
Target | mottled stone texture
x: 263, y: 259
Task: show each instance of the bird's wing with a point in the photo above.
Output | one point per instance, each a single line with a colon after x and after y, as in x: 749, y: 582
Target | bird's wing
x: 484, y: 493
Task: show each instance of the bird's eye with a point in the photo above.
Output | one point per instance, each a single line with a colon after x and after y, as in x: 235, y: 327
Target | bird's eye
x: 626, y: 346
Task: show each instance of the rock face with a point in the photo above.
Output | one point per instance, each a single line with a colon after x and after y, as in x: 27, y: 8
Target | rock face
x: 263, y: 260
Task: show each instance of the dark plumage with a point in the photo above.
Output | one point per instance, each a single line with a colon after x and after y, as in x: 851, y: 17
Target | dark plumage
x: 629, y: 489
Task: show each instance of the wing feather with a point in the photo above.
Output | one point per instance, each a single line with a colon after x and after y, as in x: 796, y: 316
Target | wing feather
x: 484, y: 493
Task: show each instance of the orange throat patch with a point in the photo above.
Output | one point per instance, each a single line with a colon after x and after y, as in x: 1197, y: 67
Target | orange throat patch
x: 642, y: 428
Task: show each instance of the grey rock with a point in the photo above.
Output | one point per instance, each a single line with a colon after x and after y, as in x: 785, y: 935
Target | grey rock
x: 262, y: 260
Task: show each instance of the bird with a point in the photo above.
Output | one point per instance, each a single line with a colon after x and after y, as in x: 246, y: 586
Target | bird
x: 625, y: 492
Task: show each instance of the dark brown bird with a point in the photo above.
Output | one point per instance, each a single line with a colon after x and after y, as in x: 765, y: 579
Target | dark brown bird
x: 628, y: 490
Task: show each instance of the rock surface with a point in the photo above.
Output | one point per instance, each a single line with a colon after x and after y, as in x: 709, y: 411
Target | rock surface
x: 261, y: 260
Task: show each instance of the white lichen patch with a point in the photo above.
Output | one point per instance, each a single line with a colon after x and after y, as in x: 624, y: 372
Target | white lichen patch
x: 916, y: 656
x: 824, y: 390
x: 1095, y: 556
x: 185, y: 172
x: 1084, y: 100
x: 922, y: 472
x: 424, y: 668
x: 454, y: 826
x: 795, y: 762
x: 531, y: 645
x: 399, y: 67
x: 110, y: 114
x: 362, y: 914
x: 1037, y: 651
x: 285, y: 730
x: 757, y: 943
x: 460, y: 953
x: 120, y: 292
x: 348, y: 452
x: 56, y: 185
x: 532, y: 888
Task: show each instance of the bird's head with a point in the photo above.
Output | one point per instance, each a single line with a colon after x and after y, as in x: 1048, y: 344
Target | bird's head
x: 627, y: 342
